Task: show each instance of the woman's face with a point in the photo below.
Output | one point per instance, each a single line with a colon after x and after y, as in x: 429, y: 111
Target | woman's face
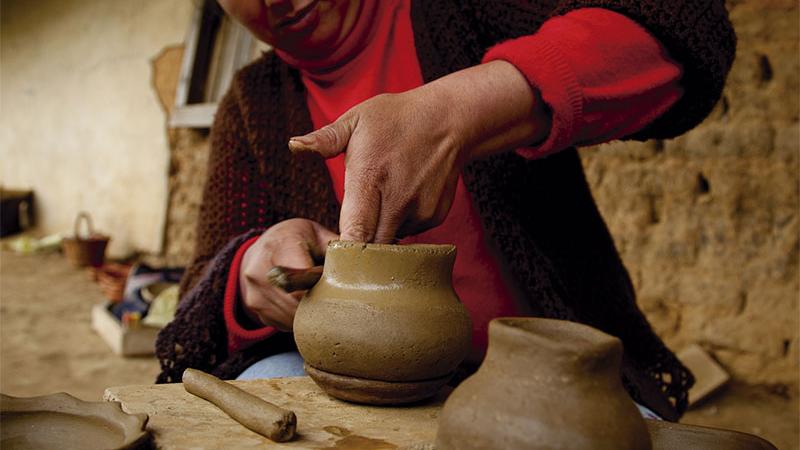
x: 302, y: 28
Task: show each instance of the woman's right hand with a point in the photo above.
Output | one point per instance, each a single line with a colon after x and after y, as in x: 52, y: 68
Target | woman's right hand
x: 293, y: 243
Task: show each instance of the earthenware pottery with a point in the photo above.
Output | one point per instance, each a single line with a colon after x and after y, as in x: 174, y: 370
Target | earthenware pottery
x: 61, y: 421
x: 670, y: 436
x: 545, y: 384
x: 383, y: 325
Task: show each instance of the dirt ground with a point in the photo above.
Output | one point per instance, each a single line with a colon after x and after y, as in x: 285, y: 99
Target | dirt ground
x: 46, y: 341
x: 47, y: 345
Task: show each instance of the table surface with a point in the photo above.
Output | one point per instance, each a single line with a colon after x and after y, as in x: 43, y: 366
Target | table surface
x: 181, y: 420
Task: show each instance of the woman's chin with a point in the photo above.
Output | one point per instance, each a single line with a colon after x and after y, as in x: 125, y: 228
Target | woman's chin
x: 310, y: 46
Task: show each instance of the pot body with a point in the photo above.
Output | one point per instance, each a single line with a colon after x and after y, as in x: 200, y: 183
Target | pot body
x: 545, y: 384
x: 384, y: 312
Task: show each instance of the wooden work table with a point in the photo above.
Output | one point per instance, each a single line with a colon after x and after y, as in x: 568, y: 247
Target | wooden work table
x: 179, y: 420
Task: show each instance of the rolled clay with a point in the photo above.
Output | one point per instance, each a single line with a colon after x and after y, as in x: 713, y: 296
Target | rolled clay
x: 256, y: 414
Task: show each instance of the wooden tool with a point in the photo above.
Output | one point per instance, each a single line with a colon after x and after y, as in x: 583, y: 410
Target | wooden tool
x: 291, y: 280
x: 254, y: 413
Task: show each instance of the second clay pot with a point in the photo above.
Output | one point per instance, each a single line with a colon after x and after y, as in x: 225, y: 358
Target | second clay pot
x: 545, y: 384
x: 383, y: 324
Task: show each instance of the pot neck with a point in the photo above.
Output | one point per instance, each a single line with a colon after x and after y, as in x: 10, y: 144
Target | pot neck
x: 382, y: 266
x: 550, y: 347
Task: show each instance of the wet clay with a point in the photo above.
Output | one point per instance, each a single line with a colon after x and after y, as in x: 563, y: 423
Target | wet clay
x: 354, y: 442
x: 337, y: 431
x: 383, y: 313
x: 60, y: 421
x: 372, y: 392
x: 545, y: 384
x: 256, y: 414
x: 669, y: 436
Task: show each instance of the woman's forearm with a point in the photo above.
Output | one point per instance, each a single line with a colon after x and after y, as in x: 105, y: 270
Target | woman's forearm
x: 494, y: 109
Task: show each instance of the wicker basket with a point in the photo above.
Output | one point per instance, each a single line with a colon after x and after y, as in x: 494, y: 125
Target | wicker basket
x: 85, y: 251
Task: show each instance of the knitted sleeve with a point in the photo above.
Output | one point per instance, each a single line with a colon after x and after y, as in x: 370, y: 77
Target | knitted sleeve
x: 197, y: 336
x: 697, y: 34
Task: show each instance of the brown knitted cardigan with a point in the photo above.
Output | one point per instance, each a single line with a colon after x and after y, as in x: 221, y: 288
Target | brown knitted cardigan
x: 540, y: 214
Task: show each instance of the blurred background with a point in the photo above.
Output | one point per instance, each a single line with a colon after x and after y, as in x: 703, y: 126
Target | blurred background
x: 105, y: 108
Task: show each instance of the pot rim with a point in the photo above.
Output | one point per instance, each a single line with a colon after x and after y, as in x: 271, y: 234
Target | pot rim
x: 432, y: 249
x: 546, y: 333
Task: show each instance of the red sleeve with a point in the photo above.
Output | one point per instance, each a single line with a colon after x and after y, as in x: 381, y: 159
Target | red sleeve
x: 602, y: 75
x: 240, y: 337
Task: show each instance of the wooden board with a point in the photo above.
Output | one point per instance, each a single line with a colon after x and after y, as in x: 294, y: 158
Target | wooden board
x: 708, y: 374
x: 181, y: 420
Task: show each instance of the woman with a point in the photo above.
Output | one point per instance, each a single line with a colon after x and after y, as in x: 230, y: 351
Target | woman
x: 456, y: 122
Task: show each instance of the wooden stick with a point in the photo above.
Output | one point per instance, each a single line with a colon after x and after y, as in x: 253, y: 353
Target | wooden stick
x: 291, y: 280
x: 253, y: 412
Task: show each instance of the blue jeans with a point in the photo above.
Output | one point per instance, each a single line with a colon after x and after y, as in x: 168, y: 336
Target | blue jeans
x: 290, y: 364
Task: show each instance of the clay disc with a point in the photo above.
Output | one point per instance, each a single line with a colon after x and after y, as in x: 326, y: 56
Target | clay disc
x: 374, y: 392
x: 668, y: 436
x: 61, y: 421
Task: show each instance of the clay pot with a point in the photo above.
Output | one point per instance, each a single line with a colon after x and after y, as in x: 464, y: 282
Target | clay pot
x: 545, y: 384
x: 383, y: 324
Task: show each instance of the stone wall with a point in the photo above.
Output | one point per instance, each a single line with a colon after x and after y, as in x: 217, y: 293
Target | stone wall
x: 188, y: 163
x: 706, y: 223
x: 187, y: 166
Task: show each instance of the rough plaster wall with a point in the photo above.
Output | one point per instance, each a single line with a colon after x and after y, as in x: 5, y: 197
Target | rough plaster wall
x: 79, y: 121
x: 706, y: 223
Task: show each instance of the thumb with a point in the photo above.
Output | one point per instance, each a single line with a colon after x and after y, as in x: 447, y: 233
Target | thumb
x: 329, y: 140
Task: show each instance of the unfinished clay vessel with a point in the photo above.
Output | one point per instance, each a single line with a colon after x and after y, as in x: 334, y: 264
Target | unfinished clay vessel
x: 383, y: 325
x: 545, y: 384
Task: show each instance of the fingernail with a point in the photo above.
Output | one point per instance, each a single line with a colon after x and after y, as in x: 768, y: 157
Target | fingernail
x: 297, y: 144
x: 304, y: 139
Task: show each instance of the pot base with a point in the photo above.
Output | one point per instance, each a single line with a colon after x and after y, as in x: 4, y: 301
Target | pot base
x: 375, y: 392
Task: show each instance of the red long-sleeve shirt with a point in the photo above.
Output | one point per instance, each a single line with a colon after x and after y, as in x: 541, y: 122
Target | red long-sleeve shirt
x: 602, y: 75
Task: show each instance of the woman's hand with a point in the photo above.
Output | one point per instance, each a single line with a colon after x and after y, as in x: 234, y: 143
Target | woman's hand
x: 405, y: 151
x: 294, y: 243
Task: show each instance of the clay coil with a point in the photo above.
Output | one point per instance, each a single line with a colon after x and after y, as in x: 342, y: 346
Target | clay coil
x: 256, y: 414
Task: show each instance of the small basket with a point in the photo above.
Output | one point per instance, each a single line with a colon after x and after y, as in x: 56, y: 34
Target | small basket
x: 85, y: 251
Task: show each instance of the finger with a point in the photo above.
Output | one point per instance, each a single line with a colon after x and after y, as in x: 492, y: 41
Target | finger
x: 329, y: 140
x: 296, y: 255
x: 431, y: 216
x: 446, y: 199
x: 271, y: 306
x: 361, y: 205
x: 388, y: 223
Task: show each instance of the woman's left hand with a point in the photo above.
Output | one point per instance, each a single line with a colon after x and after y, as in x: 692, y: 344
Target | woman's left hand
x: 405, y: 151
